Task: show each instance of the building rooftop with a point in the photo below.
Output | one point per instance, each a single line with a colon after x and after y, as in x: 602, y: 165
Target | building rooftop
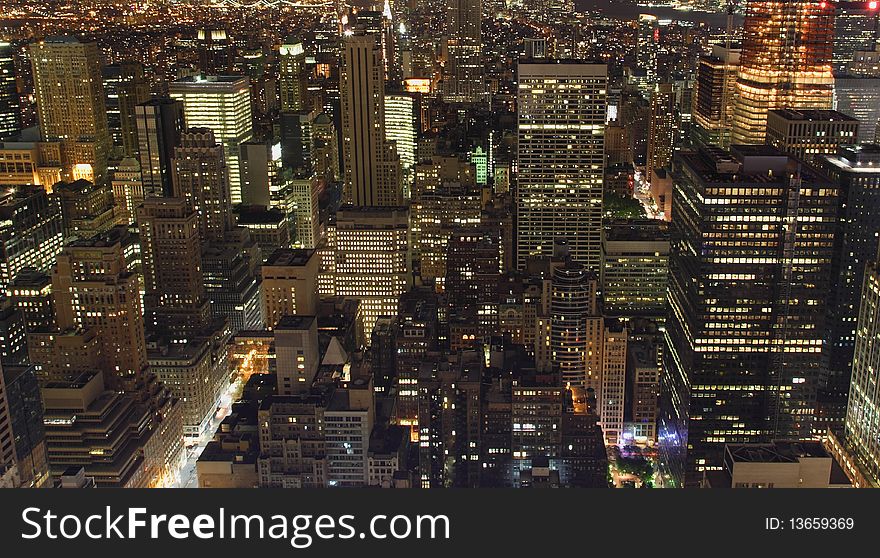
x: 780, y: 451
x: 813, y: 114
x: 289, y: 257
x: 295, y: 322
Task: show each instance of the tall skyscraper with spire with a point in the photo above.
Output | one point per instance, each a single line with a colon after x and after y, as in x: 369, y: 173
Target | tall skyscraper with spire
x: 785, y: 63
x: 372, y: 167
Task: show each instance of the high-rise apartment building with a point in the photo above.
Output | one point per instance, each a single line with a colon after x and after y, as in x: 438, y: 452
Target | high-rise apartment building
x: 760, y: 244
x: 221, y: 104
x: 785, y: 63
x: 560, y: 155
x: 371, y: 163
x: 71, y: 105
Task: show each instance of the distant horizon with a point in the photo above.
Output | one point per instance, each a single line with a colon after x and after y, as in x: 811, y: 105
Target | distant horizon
x: 625, y: 8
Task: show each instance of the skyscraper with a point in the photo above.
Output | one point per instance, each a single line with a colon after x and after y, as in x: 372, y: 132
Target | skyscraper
x: 30, y: 232
x: 159, y: 125
x: 400, y: 127
x: 95, y: 289
x: 863, y: 410
x: 576, y: 326
x: 21, y: 426
x: 855, y: 171
x: 174, y: 299
x: 855, y: 29
x: 749, y: 278
x: 785, y: 62
x: 560, y: 155
x: 201, y: 178
x: 373, y: 259
x: 714, y: 95
x: 125, y: 87
x: 372, y: 167
x: 292, y: 82
x: 663, y: 125
x: 71, y: 106
x: 10, y: 112
x: 221, y: 104
x: 464, y: 75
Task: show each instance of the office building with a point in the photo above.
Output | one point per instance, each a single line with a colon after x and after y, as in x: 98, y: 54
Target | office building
x: 859, y: 97
x: 862, y: 410
x: 635, y: 268
x: 290, y: 285
x: 95, y: 289
x: 86, y: 208
x: 112, y: 435
x: 463, y: 79
x: 370, y: 161
x: 174, y: 299
x: 221, y: 104
x: 776, y: 72
x: 807, y: 134
x: 22, y: 436
x: 714, y: 91
x: 71, y: 105
x: 855, y: 171
x: 196, y: 371
x: 231, y: 280
x: 128, y: 190
x: 576, y: 327
x: 612, y: 397
x: 159, y: 125
x: 201, y: 177
x: 30, y: 232
x: 755, y: 348
x: 293, y: 79
x: 125, y: 87
x: 31, y: 292
x: 268, y: 227
x: 855, y: 29
x: 10, y: 109
x: 663, y: 126
x: 400, y: 128
x: 560, y: 156
x: 778, y: 464
x: 373, y: 259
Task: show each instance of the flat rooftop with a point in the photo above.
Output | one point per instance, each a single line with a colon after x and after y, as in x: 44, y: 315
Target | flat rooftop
x: 289, y: 257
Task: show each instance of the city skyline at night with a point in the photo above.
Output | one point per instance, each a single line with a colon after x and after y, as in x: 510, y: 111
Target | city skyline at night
x: 439, y: 244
